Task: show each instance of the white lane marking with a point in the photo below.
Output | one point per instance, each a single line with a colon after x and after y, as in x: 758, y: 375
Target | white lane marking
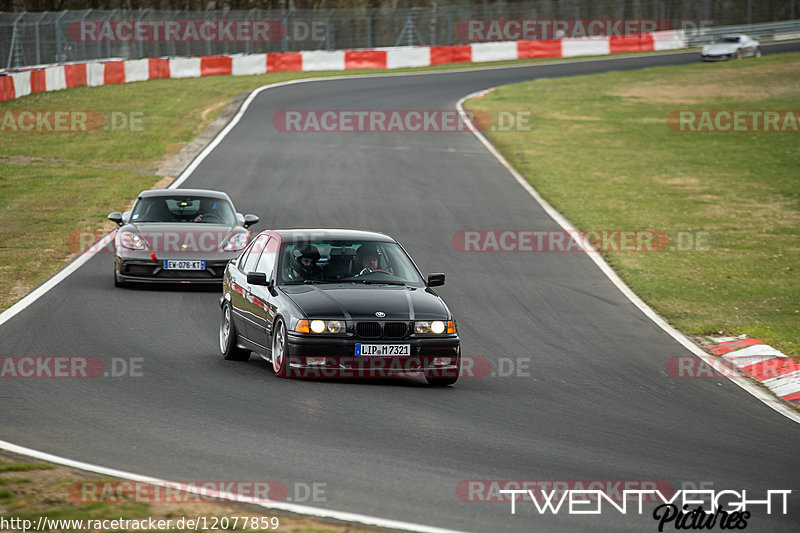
x: 213, y: 494
x: 767, y: 398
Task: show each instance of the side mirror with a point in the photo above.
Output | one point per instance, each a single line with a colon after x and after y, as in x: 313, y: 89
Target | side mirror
x: 249, y: 220
x: 116, y: 218
x: 257, y: 278
x: 435, y: 280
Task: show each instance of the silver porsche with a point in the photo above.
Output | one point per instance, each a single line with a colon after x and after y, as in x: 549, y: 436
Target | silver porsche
x: 731, y: 47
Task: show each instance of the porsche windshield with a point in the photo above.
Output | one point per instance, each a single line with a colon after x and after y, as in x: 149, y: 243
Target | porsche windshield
x: 347, y: 262
x: 178, y: 208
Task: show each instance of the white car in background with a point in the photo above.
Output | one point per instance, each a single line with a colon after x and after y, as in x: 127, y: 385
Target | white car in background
x: 731, y: 46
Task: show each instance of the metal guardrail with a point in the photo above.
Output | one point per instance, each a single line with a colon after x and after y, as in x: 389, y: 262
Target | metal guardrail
x: 767, y: 32
x: 50, y: 37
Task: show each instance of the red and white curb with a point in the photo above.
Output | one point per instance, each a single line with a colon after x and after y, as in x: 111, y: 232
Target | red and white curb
x: 773, y: 369
x: 109, y: 72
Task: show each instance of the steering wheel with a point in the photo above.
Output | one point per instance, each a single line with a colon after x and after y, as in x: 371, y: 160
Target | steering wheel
x: 362, y: 273
x: 209, y: 217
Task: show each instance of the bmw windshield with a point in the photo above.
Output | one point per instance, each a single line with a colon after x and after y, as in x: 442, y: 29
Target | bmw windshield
x: 347, y: 262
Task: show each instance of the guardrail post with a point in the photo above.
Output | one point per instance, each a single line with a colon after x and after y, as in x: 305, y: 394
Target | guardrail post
x: 329, y: 30
x: 108, y: 43
x: 38, y: 42
x: 83, y: 43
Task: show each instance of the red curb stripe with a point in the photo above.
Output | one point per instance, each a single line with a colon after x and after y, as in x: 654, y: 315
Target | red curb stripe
x: 729, y: 346
x: 771, y: 368
x: 793, y: 397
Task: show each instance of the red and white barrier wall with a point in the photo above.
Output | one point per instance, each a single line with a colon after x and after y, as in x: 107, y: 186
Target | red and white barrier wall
x: 97, y: 73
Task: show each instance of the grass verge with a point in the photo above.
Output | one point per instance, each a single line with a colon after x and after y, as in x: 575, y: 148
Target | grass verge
x: 602, y: 154
x: 33, y: 490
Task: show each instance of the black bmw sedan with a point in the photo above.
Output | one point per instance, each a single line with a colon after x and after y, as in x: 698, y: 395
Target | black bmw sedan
x: 336, y: 303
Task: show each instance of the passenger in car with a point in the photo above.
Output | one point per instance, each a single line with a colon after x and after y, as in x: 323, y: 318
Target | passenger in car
x: 303, y: 263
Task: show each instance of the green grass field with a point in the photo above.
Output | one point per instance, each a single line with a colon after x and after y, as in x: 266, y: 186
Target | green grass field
x: 602, y: 154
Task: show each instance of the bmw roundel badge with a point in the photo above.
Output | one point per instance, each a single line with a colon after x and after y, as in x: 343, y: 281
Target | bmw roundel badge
x: 380, y: 314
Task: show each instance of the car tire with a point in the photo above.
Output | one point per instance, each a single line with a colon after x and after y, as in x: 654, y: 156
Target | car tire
x: 228, y: 337
x: 758, y: 51
x: 439, y: 381
x: 280, y: 361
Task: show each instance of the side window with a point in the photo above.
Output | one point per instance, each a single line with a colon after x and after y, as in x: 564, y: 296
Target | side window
x: 252, y: 256
x: 266, y: 263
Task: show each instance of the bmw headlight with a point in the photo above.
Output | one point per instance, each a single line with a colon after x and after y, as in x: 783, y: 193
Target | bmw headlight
x: 435, y: 327
x: 331, y: 327
x: 236, y: 242
x: 131, y: 241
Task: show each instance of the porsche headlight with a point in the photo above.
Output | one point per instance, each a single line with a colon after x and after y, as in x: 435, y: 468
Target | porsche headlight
x: 131, y: 241
x: 331, y: 327
x: 436, y: 327
x: 236, y: 242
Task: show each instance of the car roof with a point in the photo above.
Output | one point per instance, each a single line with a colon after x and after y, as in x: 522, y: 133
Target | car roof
x: 333, y: 234
x: 188, y: 192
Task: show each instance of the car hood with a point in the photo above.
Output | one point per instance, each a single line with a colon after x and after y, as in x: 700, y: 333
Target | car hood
x: 183, y: 237
x: 721, y: 48
x: 361, y: 302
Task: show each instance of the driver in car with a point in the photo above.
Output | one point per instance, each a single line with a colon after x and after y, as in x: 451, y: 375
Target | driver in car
x: 368, y: 259
x: 303, y: 263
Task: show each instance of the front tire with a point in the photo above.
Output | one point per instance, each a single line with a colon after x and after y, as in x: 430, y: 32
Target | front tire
x: 280, y: 362
x: 228, y: 337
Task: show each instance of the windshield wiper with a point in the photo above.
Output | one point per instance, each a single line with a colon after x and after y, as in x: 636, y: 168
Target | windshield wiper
x: 375, y: 282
